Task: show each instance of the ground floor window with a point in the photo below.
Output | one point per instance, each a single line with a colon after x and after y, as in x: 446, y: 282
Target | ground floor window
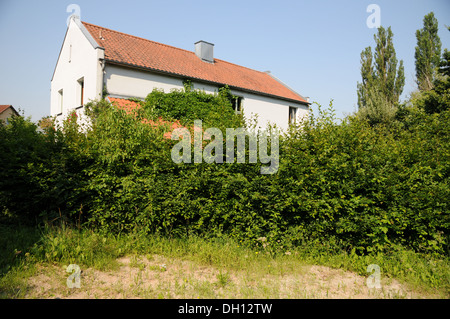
x: 292, y: 114
x: 236, y: 103
x: 60, y: 101
x: 81, y: 92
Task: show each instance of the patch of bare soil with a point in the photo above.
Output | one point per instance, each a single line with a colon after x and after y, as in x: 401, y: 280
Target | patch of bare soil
x: 159, y: 277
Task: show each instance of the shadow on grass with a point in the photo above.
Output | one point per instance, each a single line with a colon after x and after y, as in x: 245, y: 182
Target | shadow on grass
x: 16, y: 241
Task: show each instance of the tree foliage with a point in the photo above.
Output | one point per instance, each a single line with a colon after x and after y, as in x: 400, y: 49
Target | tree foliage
x: 189, y: 105
x: 428, y: 53
x: 436, y: 97
x: 364, y: 188
x: 382, y: 78
x: 352, y: 185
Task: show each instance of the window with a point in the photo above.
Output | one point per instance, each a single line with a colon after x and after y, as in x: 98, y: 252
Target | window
x: 60, y: 101
x: 80, y: 101
x: 292, y: 114
x: 236, y: 103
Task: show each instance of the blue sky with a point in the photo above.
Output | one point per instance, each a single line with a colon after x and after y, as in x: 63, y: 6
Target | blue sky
x: 312, y: 46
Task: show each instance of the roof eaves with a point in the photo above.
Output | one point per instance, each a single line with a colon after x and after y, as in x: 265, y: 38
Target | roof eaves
x: 185, y: 76
x: 3, y: 108
x: 7, y: 107
x: 12, y: 107
x: 87, y: 34
x: 123, y: 97
x: 59, y: 55
x: 284, y: 84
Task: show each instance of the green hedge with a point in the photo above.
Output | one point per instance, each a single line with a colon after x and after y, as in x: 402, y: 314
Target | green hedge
x: 360, y: 187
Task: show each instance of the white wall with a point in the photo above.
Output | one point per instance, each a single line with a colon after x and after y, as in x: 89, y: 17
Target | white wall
x: 269, y: 110
x: 126, y: 82
x: 78, y: 59
x: 6, y: 114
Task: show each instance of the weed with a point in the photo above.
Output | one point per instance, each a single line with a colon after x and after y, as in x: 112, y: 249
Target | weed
x: 223, y: 278
x: 239, y: 270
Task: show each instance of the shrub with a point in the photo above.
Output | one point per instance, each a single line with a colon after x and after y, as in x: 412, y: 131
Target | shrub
x: 31, y: 179
x: 350, y: 185
x: 189, y: 105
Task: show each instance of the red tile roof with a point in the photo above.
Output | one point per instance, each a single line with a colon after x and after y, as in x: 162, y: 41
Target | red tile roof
x: 138, y: 52
x: 4, y: 107
x: 128, y: 106
x: 124, y: 104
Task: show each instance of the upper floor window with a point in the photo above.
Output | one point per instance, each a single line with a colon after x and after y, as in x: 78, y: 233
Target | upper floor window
x: 236, y: 103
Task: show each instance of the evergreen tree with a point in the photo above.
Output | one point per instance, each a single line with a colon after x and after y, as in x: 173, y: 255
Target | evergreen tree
x: 428, y: 52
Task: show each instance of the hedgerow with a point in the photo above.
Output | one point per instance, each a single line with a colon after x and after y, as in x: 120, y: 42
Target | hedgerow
x: 363, y: 188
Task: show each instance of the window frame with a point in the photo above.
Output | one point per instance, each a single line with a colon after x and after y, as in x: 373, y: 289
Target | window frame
x: 80, y: 93
x: 60, y: 101
x: 292, y: 115
x: 237, y: 104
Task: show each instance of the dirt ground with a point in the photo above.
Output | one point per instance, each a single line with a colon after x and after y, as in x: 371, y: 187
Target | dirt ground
x: 159, y: 277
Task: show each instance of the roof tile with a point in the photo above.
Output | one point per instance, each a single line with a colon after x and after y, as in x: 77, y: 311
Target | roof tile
x: 127, y: 49
x: 4, y: 107
x: 128, y: 106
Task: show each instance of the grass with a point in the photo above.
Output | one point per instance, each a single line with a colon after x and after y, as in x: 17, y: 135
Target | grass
x: 33, y: 263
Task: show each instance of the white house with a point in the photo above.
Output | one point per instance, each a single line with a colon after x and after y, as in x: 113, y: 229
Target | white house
x: 7, y: 111
x: 94, y: 60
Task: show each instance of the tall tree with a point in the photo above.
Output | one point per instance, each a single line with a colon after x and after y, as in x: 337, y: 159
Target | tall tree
x: 437, y: 99
x: 366, y: 75
x: 381, y: 79
x: 444, y: 67
x: 389, y: 79
x: 428, y: 52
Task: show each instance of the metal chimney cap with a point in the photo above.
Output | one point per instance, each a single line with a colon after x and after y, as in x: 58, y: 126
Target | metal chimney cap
x: 204, y: 42
x: 205, y: 51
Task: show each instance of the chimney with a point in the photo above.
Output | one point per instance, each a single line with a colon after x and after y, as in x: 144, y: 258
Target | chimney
x: 205, y: 51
